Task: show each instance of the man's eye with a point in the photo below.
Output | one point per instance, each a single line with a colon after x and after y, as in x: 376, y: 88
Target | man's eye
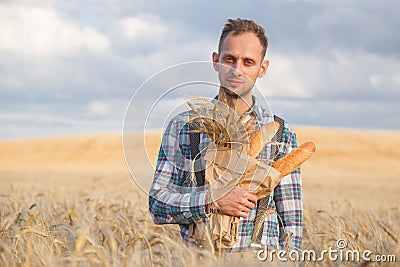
x: 249, y: 62
x: 229, y: 59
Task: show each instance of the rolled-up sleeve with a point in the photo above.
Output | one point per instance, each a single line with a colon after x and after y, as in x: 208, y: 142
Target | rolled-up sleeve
x: 172, y: 199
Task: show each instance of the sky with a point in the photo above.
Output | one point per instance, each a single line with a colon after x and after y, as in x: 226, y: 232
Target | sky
x: 72, y: 67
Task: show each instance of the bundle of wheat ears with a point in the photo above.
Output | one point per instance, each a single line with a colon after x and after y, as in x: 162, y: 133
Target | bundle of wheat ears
x: 236, y: 140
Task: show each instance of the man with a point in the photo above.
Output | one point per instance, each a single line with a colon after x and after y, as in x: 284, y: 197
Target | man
x: 174, y: 199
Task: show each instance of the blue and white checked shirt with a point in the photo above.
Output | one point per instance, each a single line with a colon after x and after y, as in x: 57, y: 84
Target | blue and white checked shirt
x: 173, y: 198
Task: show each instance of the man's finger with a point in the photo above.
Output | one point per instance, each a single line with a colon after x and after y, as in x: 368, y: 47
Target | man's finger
x: 251, y: 197
x: 248, y: 204
x: 242, y: 214
x: 245, y: 209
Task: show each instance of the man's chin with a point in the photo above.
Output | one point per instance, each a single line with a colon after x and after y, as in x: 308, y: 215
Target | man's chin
x: 231, y: 92
x: 234, y: 92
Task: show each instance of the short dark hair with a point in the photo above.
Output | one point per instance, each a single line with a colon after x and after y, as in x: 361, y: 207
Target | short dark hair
x: 238, y: 26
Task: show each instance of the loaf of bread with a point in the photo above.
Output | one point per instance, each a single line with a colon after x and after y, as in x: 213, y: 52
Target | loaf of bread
x: 261, y: 137
x: 286, y: 165
x: 289, y: 163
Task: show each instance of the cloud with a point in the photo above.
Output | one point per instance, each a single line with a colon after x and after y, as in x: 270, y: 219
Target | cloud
x: 390, y: 80
x: 338, y: 74
x: 47, y: 118
x: 143, y: 26
x: 367, y: 25
x: 283, y: 79
x: 97, y: 108
x: 63, y: 62
x: 366, y: 114
x: 42, y: 32
x: 149, y: 64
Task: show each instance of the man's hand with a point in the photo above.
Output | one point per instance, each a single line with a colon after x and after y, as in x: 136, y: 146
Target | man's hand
x: 237, y: 202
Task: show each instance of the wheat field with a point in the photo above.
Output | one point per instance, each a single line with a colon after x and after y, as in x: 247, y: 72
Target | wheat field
x: 71, y: 201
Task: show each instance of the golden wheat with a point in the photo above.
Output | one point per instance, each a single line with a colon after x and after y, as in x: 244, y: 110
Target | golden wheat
x: 74, y: 192
x: 118, y: 232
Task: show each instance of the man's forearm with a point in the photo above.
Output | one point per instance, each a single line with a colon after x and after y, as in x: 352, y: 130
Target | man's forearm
x: 167, y: 207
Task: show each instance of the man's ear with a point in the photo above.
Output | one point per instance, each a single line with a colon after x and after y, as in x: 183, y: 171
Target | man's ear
x: 215, y: 59
x: 263, y: 69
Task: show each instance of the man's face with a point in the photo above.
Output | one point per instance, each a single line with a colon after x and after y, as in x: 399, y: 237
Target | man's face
x: 240, y: 63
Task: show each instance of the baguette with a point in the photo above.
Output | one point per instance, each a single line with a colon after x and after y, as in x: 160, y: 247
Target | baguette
x: 286, y: 165
x: 294, y: 159
x: 261, y: 137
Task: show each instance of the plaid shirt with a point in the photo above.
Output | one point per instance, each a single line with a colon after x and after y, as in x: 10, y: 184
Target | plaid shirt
x: 173, y: 198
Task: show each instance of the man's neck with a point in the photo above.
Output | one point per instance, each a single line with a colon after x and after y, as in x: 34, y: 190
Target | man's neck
x: 240, y: 104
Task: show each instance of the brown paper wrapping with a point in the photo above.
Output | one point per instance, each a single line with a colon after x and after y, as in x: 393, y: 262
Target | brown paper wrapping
x: 226, y: 168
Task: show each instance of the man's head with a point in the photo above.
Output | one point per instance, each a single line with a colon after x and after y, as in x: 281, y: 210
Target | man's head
x: 240, y: 58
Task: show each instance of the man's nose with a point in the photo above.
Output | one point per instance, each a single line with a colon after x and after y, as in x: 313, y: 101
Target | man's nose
x: 236, y: 68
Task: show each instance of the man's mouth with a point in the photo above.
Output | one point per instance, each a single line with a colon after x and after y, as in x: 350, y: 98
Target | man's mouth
x: 234, y: 82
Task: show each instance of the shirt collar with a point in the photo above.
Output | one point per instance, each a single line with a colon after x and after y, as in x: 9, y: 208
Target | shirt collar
x: 256, y: 109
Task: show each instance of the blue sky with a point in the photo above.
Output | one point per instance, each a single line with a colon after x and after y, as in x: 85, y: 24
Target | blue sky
x: 71, y: 67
